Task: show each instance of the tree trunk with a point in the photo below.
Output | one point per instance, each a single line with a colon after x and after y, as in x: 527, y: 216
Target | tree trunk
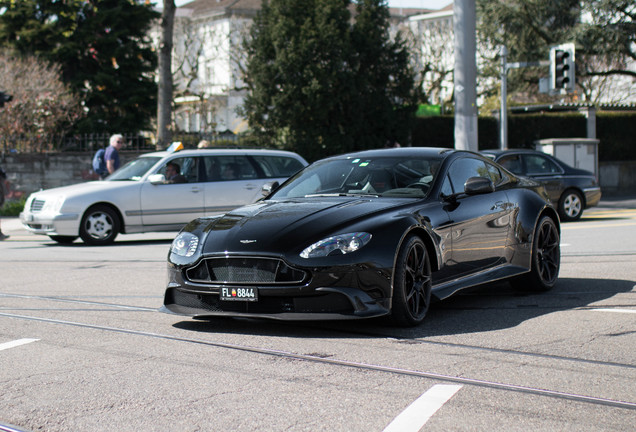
x: 164, y: 99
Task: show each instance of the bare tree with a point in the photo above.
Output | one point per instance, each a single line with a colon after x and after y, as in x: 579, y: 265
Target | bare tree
x: 164, y: 97
x: 42, y: 107
x: 429, y: 43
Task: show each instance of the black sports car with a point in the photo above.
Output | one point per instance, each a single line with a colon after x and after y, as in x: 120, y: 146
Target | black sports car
x: 571, y: 189
x: 364, y: 235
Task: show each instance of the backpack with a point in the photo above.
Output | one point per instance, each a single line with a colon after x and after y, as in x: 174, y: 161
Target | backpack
x: 99, y: 164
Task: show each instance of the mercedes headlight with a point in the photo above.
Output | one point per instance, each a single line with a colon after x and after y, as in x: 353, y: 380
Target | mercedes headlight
x: 53, y: 205
x: 337, y: 245
x: 185, y: 244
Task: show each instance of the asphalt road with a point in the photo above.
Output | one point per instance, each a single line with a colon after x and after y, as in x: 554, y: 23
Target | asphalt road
x: 83, y: 348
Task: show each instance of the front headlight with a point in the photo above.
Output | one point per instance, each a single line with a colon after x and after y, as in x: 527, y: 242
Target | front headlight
x: 185, y: 244
x: 53, y: 205
x: 337, y: 245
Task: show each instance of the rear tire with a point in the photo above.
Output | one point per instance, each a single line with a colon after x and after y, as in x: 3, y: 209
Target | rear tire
x: 100, y: 225
x: 571, y: 206
x: 546, y: 258
x: 412, y: 283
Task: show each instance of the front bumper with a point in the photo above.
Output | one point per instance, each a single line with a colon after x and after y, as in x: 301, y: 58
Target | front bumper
x: 328, y: 304
x: 51, y: 223
x: 299, y: 293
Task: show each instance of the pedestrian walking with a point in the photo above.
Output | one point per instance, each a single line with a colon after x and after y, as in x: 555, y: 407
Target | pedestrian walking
x: 111, y: 156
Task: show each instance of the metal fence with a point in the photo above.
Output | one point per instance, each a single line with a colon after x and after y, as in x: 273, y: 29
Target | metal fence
x: 92, y: 142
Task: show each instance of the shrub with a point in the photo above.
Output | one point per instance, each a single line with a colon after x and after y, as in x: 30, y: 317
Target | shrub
x: 12, y: 207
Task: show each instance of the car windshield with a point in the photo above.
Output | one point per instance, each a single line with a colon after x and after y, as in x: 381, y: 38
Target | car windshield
x: 381, y: 176
x: 135, y: 169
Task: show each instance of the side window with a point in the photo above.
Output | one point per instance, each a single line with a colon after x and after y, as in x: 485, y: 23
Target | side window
x: 494, y: 173
x: 212, y: 168
x: 228, y: 168
x: 537, y: 164
x: 277, y: 166
x: 465, y: 168
x: 181, y: 170
x: 512, y: 163
x: 447, y: 189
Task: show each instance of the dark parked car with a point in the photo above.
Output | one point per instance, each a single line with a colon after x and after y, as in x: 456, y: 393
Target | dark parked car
x: 364, y: 235
x: 571, y: 189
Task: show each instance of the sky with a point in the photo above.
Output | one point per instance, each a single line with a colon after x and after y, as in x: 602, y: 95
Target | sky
x: 424, y: 4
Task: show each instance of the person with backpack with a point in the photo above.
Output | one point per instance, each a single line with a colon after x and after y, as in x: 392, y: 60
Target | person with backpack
x: 106, y: 161
x: 99, y: 164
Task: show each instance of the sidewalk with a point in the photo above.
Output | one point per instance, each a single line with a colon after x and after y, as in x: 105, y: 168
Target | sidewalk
x: 11, y: 226
x: 618, y: 202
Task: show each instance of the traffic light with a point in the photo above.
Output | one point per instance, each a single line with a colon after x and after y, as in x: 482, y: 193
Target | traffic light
x: 562, y: 68
x: 4, y: 98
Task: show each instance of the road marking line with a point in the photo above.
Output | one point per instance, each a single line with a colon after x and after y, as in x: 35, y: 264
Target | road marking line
x: 628, y: 311
x: 16, y: 343
x: 422, y: 409
x: 593, y: 225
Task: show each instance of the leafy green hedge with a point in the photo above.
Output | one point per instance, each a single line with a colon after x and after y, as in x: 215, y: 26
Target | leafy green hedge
x: 12, y: 207
x: 615, y: 130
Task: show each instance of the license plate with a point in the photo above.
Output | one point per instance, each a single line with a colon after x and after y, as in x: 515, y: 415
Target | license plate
x: 239, y: 294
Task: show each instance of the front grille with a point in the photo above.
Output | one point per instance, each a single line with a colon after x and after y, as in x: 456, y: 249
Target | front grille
x: 36, y: 205
x: 244, y: 270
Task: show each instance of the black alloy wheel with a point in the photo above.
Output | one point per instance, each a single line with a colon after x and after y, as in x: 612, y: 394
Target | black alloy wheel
x: 546, y: 257
x: 571, y: 205
x: 100, y: 225
x: 412, y: 283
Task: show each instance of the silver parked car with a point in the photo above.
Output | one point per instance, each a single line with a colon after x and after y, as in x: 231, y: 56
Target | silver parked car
x: 138, y: 198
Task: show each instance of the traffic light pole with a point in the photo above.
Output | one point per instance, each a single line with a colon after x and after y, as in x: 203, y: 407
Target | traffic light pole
x: 503, y: 115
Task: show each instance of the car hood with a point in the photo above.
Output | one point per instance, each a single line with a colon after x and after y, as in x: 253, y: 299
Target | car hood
x: 81, y: 189
x: 277, y: 226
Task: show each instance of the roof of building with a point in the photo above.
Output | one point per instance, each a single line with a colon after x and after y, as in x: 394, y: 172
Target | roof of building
x: 199, y: 7
x: 571, y: 107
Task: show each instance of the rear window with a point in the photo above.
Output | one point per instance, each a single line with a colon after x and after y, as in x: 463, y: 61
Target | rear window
x: 277, y: 166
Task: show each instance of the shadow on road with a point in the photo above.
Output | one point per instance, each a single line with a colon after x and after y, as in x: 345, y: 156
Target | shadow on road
x: 490, y: 307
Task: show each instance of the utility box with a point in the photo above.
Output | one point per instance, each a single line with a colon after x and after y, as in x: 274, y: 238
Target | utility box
x: 577, y: 152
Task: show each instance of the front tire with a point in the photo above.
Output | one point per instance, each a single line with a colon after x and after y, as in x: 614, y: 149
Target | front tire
x: 100, y: 225
x: 571, y: 206
x: 63, y: 239
x: 412, y: 283
x: 546, y: 258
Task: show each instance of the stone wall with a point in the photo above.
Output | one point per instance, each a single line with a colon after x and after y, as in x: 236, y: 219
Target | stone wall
x: 31, y: 172
x: 618, y: 177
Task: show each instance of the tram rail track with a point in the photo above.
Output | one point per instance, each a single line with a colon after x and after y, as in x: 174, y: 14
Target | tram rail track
x: 588, y: 399
x: 352, y: 332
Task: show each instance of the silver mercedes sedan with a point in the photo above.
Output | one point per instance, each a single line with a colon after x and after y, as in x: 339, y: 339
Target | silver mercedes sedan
x: 142, y: 197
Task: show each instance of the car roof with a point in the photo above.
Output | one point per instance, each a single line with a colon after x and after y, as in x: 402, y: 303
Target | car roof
x: 514, y: 150
x: 221, y: 152
x: 401, y: 152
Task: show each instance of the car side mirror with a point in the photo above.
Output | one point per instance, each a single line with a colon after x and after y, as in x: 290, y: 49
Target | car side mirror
x: 157, y: 179
x: 478, y: 186
x: 268, y: 188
